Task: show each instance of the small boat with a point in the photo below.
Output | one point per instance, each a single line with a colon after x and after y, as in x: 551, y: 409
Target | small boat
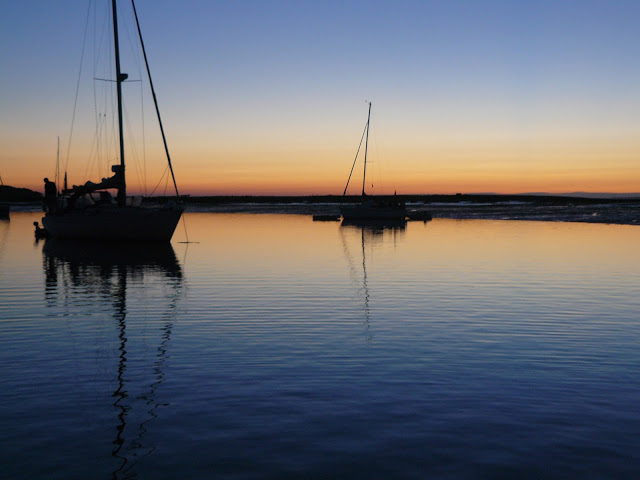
x: 371, y: 207
x: 375, y: 209
x: 326, y: 217
x: 421, y: 215
x: 89, y: 211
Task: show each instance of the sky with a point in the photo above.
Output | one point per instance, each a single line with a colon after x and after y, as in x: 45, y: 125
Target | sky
x: 270, y: 97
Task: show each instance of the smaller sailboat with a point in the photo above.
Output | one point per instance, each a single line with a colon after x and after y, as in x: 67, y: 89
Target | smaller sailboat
x: 371, y: 208
x: 89, y: 211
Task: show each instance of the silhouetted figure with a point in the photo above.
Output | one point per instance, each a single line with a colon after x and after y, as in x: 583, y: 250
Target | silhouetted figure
x: 50, y: 194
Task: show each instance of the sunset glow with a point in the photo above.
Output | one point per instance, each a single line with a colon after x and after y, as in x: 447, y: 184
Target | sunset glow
x: 269, y: 98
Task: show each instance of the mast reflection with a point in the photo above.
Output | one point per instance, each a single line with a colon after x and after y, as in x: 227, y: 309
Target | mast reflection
x: 371, y: 232
x: 76, y: 270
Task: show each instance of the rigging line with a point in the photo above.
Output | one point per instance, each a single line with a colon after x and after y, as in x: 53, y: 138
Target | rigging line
x: 95, y: 116
x: 136, y: 57
x: 132, y: 145
x: 113, y: 148
x: 155, y: 100
x: 166, y: 187
x: 111, y: 140
x: 125, y: 22
x: 95, y: 144
x: 386, y: 179
x: 57, y: 169
x: 102, y: 96
x: 144, y: 137
x: 75, y: 103
x: 160, y: 181
x: 378, y: 161
x: 354, y: 160
x: 94, y: 151
x: 101, y: 41
x: 144, y: 143
x: 99, y: 158
x: 186, y: 234
x: 366, y: 147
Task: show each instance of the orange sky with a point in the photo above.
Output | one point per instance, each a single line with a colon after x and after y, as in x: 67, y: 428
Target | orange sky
x: 536, y: 97
x: 476, y: 165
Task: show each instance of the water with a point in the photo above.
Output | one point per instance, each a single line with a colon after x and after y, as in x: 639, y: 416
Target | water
x: 278, y: 347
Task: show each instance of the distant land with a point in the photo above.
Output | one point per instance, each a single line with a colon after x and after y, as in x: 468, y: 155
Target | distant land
x: 584, y: 207
x: 13, y: 194
x: 16, y: 194
x: 577, y: 194
x: 527, y: 207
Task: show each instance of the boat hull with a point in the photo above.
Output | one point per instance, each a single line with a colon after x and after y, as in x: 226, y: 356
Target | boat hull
x: 366, y: 212
x: 115, y: 224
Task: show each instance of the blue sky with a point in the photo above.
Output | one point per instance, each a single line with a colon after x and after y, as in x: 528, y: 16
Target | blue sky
x: 238, y: 79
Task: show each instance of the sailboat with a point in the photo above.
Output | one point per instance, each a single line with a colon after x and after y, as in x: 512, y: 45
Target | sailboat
x: 371, y: 208
x: 89, y: 211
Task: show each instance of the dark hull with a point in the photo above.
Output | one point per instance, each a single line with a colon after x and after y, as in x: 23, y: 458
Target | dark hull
x: 114, y: 224
x: 372, y: 212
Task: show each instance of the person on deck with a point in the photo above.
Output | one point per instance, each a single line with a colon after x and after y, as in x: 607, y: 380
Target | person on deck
x: 50, y: 196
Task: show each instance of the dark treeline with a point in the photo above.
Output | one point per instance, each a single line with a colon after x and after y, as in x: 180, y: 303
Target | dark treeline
x: 13, y: 194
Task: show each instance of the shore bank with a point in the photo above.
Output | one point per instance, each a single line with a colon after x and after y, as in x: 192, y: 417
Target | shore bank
x: 623, y: 211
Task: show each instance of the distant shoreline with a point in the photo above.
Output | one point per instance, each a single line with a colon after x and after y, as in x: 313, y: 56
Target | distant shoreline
x: 528, y: 207
x: 550, y: 208
x: 541, y: 199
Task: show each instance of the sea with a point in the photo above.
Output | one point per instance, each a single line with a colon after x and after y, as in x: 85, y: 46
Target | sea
x: 272, y: 346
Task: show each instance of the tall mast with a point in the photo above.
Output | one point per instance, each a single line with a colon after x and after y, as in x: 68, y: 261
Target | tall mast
x: 155, y: 100
x: 366, y: 145
x: 58, y: 168
x: 120, y: 77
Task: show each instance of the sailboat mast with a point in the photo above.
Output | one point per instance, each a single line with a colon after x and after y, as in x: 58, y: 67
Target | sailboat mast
x: 58, y: 168
x: 366, y: 145
x: 155, y: 100
x: 120, y: 77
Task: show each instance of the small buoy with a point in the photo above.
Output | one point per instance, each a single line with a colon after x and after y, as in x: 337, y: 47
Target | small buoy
x: 326, y: 218
x: 424, y: 216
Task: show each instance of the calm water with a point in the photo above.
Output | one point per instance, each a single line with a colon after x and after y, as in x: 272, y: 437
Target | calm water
x: 278, y: 347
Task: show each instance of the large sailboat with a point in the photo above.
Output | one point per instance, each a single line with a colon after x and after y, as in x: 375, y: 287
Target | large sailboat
x: 371, y: 208
x: 90, y: 212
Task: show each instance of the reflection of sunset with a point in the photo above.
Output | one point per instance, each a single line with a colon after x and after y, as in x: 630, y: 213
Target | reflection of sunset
x: 510, y: 247
x: 290, y: 242
x: 259, y: 240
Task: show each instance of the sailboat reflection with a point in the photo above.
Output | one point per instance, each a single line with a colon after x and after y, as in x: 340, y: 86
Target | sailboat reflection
x: 376, y: 231
x: 99, y: 275
x: 372, y: 233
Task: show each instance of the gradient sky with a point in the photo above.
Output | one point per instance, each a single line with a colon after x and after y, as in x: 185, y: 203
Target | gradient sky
x: 269, y: 97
